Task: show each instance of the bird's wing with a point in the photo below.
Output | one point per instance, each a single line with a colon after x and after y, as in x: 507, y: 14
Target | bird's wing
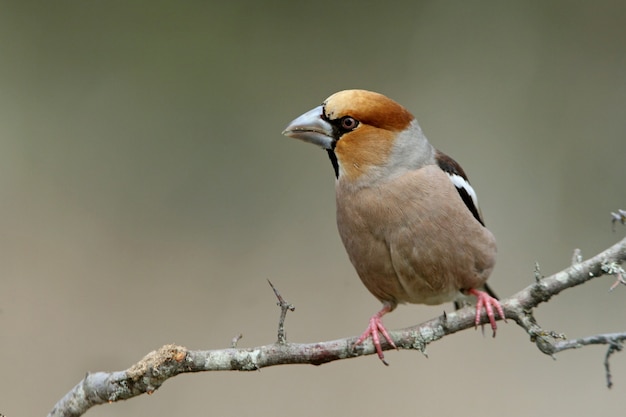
x: 461, y: 183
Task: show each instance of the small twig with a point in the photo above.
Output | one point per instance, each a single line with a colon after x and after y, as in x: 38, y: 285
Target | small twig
x: 613, y: 268
x: 620, y: 216
x: 613, y: 347
x: 614, y: 340
x: 538, y: 276
x: 598, y: 339
x: 620, y: 280
x: 284, y: 306
x: 577, y: 257
x: 235, y: 340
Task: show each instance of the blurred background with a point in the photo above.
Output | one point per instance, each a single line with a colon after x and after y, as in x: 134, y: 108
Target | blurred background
x: 147, y: 194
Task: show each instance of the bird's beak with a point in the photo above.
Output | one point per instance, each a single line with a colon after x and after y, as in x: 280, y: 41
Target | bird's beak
x: 312, y: 128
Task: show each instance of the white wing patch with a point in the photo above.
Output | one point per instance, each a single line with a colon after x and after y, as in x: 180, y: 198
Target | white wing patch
x: 461, y: 183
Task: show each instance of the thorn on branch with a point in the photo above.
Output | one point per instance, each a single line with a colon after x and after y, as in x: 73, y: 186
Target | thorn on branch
x: 284, y: 306
x: 577, y: 257
x: 620, y: 216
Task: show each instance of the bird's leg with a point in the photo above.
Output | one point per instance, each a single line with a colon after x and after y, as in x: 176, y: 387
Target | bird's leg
x: 489, y: 303
x: 375, y: 327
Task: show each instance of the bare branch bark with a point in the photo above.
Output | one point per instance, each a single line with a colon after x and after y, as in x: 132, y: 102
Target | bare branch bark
x: 148, y: 375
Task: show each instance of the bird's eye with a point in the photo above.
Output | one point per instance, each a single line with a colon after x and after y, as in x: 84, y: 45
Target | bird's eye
x: 349, y: 123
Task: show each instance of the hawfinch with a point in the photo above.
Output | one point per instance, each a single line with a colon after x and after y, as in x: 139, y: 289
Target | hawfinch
x: 406, y: 213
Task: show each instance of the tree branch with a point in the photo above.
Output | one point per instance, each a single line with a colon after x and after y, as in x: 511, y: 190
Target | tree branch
x: 147, y: 375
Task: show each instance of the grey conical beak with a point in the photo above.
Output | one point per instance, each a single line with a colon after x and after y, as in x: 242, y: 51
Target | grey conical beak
x: 311, y: 127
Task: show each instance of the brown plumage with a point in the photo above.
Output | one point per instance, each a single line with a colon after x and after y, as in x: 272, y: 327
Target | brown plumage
x: 406, y: 213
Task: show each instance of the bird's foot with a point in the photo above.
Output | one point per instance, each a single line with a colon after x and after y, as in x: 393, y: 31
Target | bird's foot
x: 489, y: 303
x: 375, y: 328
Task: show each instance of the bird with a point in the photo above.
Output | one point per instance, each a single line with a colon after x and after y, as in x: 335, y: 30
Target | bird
x: 406, y: 213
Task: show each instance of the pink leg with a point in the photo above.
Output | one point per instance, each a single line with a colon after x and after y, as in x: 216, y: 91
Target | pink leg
x: 489, y: 303
x: 376, y: 326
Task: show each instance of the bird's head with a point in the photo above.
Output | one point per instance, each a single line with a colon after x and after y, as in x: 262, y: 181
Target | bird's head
x: 365, y: 133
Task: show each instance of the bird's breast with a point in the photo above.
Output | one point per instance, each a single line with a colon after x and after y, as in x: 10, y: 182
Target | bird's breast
x: 411, y: 238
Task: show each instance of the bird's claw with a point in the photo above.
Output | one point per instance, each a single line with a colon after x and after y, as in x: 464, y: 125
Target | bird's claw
x: 375, y: 328
x: 489, y: 303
